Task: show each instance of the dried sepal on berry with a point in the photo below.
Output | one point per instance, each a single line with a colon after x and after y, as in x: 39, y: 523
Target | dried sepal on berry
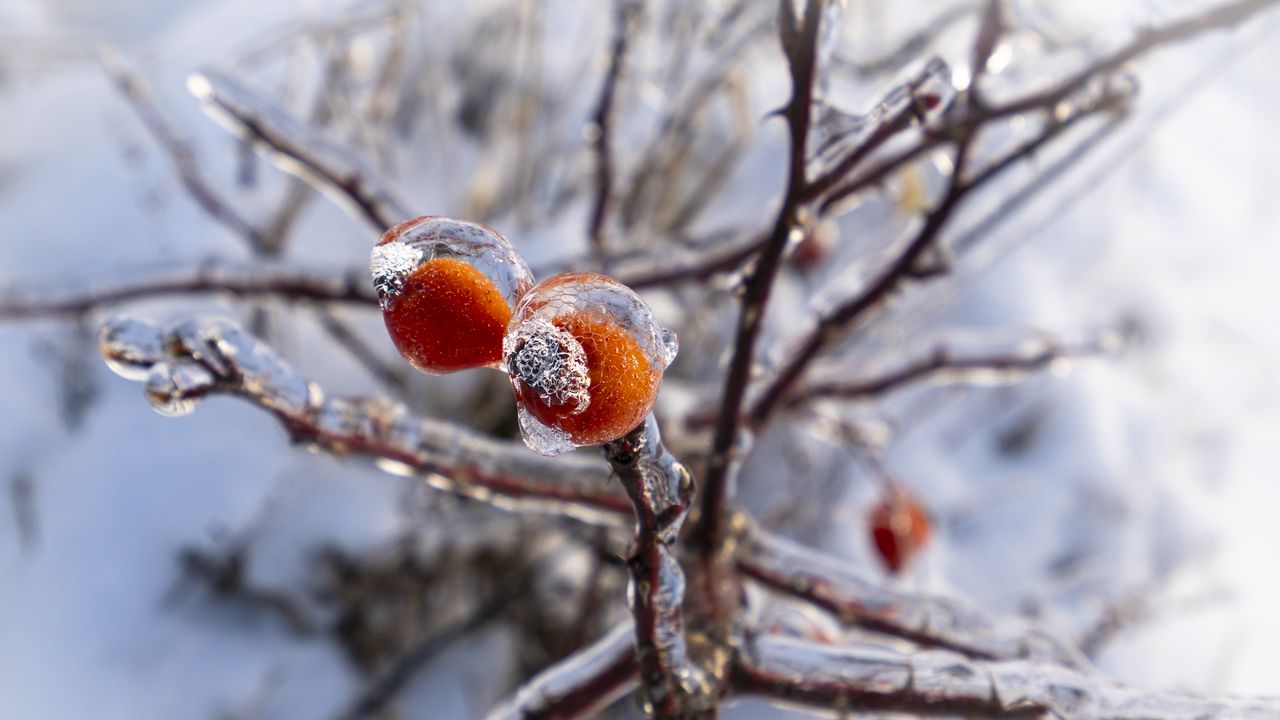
x: 447, y: 289
x: 899, y: 528
x: 586, y: 358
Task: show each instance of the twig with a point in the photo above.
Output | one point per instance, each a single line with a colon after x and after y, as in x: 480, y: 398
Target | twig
x: 389, y: 683
x: 940, y: 683
x: 179, y: 151
x: 356, y: 347
x: 213, y: 357
x: 1222, y: 17
x: 912, y: 47
x: 943, y: 363
x: 661, y: 491
x: 931, y: 622
x: 579, y: 686
x: 849, y: 313
x: 799, y: 37
x: 625, y: 13
x: 297, y: 149
x: 348, y: 288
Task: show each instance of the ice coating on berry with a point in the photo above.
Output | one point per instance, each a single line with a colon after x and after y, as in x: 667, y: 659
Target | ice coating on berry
x: 551, y: 362
x: 390, y: 265
x: 576, y: 321
x: 447, y: 289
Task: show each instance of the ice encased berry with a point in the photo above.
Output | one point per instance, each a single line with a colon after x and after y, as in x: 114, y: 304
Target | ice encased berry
x: 586, y: 357
x: 447, y: 289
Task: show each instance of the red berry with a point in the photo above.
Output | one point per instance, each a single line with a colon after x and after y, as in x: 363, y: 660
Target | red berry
x: 447, y: 289
x: 585, y: 358
x: 899, y: 529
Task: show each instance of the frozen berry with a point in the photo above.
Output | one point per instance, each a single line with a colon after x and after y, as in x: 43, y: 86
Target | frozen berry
x: 899, y: 529
x: 447, y: 289
x: 585, y: 357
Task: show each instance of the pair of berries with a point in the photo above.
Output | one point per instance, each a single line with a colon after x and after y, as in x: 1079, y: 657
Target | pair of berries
x: 583, y: 352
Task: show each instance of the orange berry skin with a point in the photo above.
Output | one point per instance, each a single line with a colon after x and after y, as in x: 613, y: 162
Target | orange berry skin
x: 447, y: 289
x: 448, y: 317
x: 899, y: 529
x: 623, y: 386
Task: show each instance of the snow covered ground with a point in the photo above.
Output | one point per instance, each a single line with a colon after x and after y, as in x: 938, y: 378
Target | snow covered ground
x: 1149, y: 478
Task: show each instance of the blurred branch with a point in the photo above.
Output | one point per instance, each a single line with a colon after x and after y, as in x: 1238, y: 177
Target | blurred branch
x: 342, y: 333
x: 912, y: 47
x: 941, y: 683
x: 799, y: 37
x: 580, y: 686
x: 904, y: 266
x: 297, y: 149
x: 255, y: 282
x: 661, y: 491
x: 179, y: 151
x: 1222, y: 17
x: 199, y: 358
x: 931, y: 622
x: 943, y: 364
x: 383, y: 689
x: 625, y: 15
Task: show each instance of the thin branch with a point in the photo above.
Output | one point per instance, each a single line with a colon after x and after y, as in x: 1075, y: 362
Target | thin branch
x: 799, y: 39
x: 198, y: 358
x: 386, y: 373
x: 580, y: 686
x: 931, y: 622
x: 182, y: 157
x: 661, y: 491
x: 697, y: 269
x: 931, y: 683
x: 297, y: 149
x: 851, y: 312
x: 1222, y: 17
x: 625, y: 13
x: 912, y: 47
x: 943, y: 364
x: 348, y: 288
x: 380, y: 692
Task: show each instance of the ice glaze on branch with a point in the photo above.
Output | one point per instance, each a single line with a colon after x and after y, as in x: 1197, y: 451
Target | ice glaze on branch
x: 297, y: 149
x: 202, y: 357
x: 931, y: 622
x: 661, y: 491
x: 346, y: 287
x: 869, y: 678
x: 580, y: 686
x: 947, y: 365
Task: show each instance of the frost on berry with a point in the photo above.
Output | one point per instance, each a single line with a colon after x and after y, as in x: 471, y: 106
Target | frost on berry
x: 447, y: 289
x: 585, y: 357
x: 551, y: 362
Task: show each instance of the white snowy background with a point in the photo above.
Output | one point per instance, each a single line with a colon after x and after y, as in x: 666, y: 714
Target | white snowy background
x: 1149, y: 477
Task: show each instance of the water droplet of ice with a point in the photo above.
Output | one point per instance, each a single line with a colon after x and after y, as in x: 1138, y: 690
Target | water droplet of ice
x: 130, y: 347
x: 542, y: 439
x: 670, y: 346
x: 173, y: 387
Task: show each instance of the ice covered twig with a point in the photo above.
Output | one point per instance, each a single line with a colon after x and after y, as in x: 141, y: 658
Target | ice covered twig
x: 580, y: 686
x: 259, y: 282
x: 946, y: 365
x: 180, y: 153
x: 932, y: 622
x: 661, y: 491
x: 937, y: 682
x: 298, y: 149
x: 203, y: 357
x: 904, y: 264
